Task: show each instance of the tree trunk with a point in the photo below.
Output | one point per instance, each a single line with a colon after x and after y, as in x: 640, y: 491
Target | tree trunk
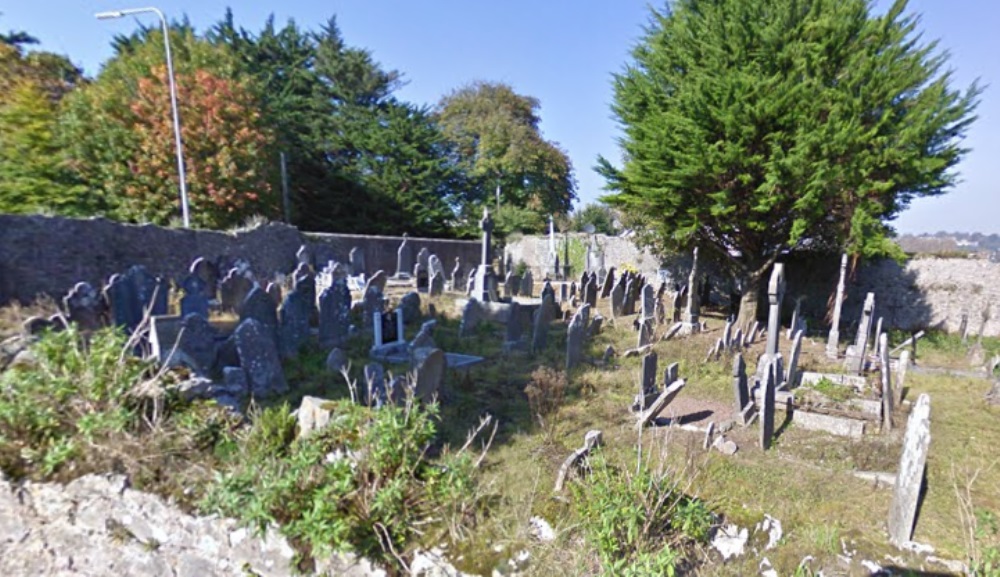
x: 748, y: 304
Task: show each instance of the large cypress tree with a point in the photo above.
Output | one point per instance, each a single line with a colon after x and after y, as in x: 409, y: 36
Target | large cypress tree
x: 752, y: 127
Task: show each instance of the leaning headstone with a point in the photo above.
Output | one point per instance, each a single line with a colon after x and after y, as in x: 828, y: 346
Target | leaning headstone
x: 888, y: 395
x: 767, y: 411
x: 608, y: 284
x: 575, y: 336
x: 855, y: 362
x: 833, y: 341
x: 457, y: 280
x: 792, y: 372
x: 428, y: 367
x: 902, y: 366
x: 909, y: 479
x: 293, y: 329
x: 334, y: 315
x: 617, y: 300
x: 661, y: 402
x: 356, y: 258
x: 260, y: 306
x: 259, y: 359
x: 85, y: 307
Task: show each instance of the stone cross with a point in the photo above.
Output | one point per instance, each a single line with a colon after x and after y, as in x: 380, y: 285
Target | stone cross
x: 483, y: 289
x: 833, y: 342
x: 486, y: 224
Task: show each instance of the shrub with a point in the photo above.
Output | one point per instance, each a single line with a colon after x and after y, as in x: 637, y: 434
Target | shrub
x: 363, y: 483
x: 635, y: 520
x: 78, y: 390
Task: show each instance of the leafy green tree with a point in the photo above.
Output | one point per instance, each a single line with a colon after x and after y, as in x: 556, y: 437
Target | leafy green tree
x: 752, y: 127
x: 598, y: 215
x: 498, y: 143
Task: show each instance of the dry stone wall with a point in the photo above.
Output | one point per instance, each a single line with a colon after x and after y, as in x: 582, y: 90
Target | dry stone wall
x: 42, y: 255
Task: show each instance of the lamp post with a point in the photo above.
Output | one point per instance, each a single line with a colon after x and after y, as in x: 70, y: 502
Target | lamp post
x: 173, y: 97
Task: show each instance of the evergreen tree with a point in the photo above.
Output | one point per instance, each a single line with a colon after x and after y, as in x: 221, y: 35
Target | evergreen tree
x: 752, y: 127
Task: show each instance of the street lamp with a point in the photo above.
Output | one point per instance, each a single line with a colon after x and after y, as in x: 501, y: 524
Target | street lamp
x: 173, y: 97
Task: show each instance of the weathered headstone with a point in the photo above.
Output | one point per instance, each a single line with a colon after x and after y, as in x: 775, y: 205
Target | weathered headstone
x: 661, y: 402
x: 334, y: 314
x: 888, y: 395
x: 576, y: 336
x: 543, y: 318
x: 356, y: 258
x: 590, y: 294
x: 85, y: 307
x: 528, y: 284
x: 234, y: 290
x: 428, y: 367
x: 410, y: 305
x: 514, y: 328
x: 855, y: 362
x: 775, y: 293
x: 647, y: 383
x: 618, y: 300
x: 378, y: 281
x: 259, y: 359
x: 833, y: 341
x: 903, y: 365
x: 741, y: 393
x: 767, y: 411
x: 877, y: 336
x: 194, y: 300
x: 293, y: 330
x: 373, y: 302
x: 404, y: 259
x: 608, y: 284
x: 192, y: 345
x: 484, y: 284
x: 457, y: 280
x: 909, y: 479
x: 437, y: 280
x: 693, y: 311
x: 208, y: 273
x: 472, y: 315
x: 259, y: 306
x: 792, y: 372
x: 273, y: 290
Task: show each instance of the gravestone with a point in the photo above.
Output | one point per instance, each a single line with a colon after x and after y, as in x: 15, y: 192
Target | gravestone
x: 377, y: 281
x: 661, y: 402
x: 132, y: 294
x: 888, y: 395
x: 410, y: 305
x: 373, y: 302
x: 878, y: 334
x: 775, y: 294
x: 508, y: 284
x: 208, y: 273
x: 194, y: 300
x: 85, y: 307
x: 428, y: 367
x: 647, y: 383
x: 671, y: 373
x: 356, y: 258
x: 792, y: 372
x: 437, y: 275
x: 484, y: 284
x: 576, y: 336
x: 648, y: 303
x: 259, y: 306
x: 608, y: 284
x: 618, y: 300
x: 273, y: 290
x: 304, y: 255
x: 909, y: 479
x: 675, y: 305
x: 543, y: 318
x: 293, y: 330
x: 334, y: 315
x: 234, y: 290
x: 741, y: 393
x: 903, y: 365
x: 514, y: 329
x: 767, y: 410
x: 472, y: 315
x: 304, y: 282
x: 855, y: 362
x: 628, y: 302
x: 194, y: 345
x: 259, y: 359
x: 421, y: 271
x: 833, y: 341
x: 691, y: 315
x: 404, y: 259
x: 590, y: 294
x: 528, y: 285
x: 572, y: 290
x: 457, y: 280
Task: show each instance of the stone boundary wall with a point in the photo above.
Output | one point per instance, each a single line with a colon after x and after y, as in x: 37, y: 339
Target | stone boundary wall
x: 923, y: 292
x: 41, y: 255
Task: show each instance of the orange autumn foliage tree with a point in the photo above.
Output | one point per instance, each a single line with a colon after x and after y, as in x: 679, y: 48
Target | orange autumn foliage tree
x: 227, y: 152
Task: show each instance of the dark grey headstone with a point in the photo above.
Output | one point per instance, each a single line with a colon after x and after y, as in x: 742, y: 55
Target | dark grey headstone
x: 208, y: 273
x: 194, y: 300
x: 293, y: 330
x: 514, y: 328
x: 259, y: 359
x: 576, y: 336
x: 767, y: 411
x: 527, y: 284
x: 334, y: 314
x: 472, y: 315
x: 304, y: 283
x: 410, y: 304
x: 233, y: 290
x: 609, y: 283
x: 375, y: 389
x: 260, y: 306
x: 543, y: 318
x: 741, y: 393
x: 195, y: 346
x: 373, y: 302
x: 428, y: 367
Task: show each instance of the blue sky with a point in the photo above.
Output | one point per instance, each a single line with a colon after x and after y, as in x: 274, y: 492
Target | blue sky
x: 562, y: 52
